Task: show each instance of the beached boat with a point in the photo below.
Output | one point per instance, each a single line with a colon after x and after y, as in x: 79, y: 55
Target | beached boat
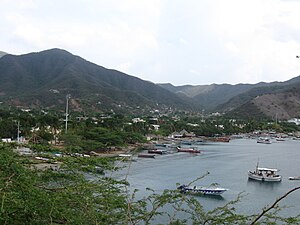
x: 222, y: 139
x: 264, y: 174
x: 294, y: 178
x: 265, y: 140
x: 202, y: 190
x: 157, y: 151
x: 190, y: 150
x: 146, y: 156
x: 125, y: 155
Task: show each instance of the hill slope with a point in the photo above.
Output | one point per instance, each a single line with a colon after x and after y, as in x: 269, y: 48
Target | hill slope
x: 2, y: 54
x: 43, y: 79
x: 281, y: 102
x: 246, y: 100
x: 211, y: 96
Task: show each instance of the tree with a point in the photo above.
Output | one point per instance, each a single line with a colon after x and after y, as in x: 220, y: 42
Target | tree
x: 65, y: 196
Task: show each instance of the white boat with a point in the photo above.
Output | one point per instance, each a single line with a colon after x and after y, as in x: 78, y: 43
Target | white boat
x: 265, y: 140
x: 294, y: 178
x: 125, y: 155
x: 264, y: 174
x: 202, y: 190
x: 280, y: 139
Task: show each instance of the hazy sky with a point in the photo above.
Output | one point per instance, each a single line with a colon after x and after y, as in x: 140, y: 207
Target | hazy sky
x: 175, y: 41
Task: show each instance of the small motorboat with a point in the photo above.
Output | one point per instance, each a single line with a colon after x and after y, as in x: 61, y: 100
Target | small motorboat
x: 201, y: 190
x: 294, y: 178
x: 157, y: 151
x: 264, y: 140
x: 190, y: 150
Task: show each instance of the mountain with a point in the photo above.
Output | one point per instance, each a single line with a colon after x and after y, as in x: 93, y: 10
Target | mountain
x: 211, y: 96
x: 43, y: 79
x: 281, y: 101
x: 245, y: 100
x: 2, y: 53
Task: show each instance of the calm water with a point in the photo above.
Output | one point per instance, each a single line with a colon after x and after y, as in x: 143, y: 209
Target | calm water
x: 228, y: 164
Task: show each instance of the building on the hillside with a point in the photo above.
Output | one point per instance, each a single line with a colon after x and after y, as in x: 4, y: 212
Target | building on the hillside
x: 181, y: 134
x: 138, y: 120
x: 6, y: 140
x: 155, y: 127
x: 294, y: 120
x: 193, y: 124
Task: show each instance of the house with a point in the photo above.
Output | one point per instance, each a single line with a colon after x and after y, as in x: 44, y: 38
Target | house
x: 294, y: 120
x: 181, y: 134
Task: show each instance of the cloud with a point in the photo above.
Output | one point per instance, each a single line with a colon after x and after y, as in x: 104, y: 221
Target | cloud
x: 199, y: 42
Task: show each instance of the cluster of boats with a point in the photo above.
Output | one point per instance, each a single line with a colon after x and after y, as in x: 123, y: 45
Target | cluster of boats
x: 268, y: 140
x: 259, y: 174
x: 152, y: 152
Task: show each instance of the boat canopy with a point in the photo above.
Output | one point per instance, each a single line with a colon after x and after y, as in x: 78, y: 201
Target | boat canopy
x: 267, y: 169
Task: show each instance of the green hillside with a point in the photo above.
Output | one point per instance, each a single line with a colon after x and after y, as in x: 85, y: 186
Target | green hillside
x: 43, y: 79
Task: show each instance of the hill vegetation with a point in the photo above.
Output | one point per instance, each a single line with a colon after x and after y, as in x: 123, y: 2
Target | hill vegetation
x: 238, y: 99
x: 43, y: 79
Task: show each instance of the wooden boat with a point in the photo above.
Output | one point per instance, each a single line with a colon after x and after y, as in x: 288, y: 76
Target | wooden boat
x: 222, y: 139
x: 202, y: 190
x: 189, y: 150
x: 146, y: 156
x: 157, y: 151
x: 264, y: 174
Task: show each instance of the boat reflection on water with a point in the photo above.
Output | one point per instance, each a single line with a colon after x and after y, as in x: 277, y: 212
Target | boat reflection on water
x: 212, y: 197
x: 264, y: 185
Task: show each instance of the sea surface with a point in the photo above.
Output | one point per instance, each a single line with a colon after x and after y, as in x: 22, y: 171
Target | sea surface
x: 227, y: 164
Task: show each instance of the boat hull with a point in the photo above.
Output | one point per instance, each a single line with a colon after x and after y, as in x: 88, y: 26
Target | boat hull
x: 195, y: 190
x: 189, y: 150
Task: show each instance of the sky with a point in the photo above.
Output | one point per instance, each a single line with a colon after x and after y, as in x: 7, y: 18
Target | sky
x: 180, y: 42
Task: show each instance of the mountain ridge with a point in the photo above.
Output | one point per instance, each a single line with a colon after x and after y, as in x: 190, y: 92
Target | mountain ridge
x: 43, y: 79
x: 235, y: 99
x: 32, y: 75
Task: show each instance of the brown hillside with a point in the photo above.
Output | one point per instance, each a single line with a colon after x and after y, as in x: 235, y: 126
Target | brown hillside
x: 284, y: 105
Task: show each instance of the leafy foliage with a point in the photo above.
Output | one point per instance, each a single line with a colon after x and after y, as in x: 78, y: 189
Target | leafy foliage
x: 76, y: 194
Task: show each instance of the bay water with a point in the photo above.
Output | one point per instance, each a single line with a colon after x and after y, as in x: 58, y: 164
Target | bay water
x: 227, y: 164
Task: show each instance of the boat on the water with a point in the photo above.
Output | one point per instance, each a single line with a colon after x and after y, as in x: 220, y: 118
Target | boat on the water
x: 264, y: 174
x: 294, y: 178
x: 264, y: 140
x: 190, y: 150
x: 280, y: 139
x: 201, y: 190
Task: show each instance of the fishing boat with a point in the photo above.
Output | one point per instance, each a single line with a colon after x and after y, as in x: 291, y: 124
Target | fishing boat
x: 190, y: 150
x: 294, y: 178
x: 201, y: 190
x: 264, y: 174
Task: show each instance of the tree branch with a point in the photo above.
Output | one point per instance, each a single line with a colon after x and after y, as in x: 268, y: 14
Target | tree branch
x: 274, y: 204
